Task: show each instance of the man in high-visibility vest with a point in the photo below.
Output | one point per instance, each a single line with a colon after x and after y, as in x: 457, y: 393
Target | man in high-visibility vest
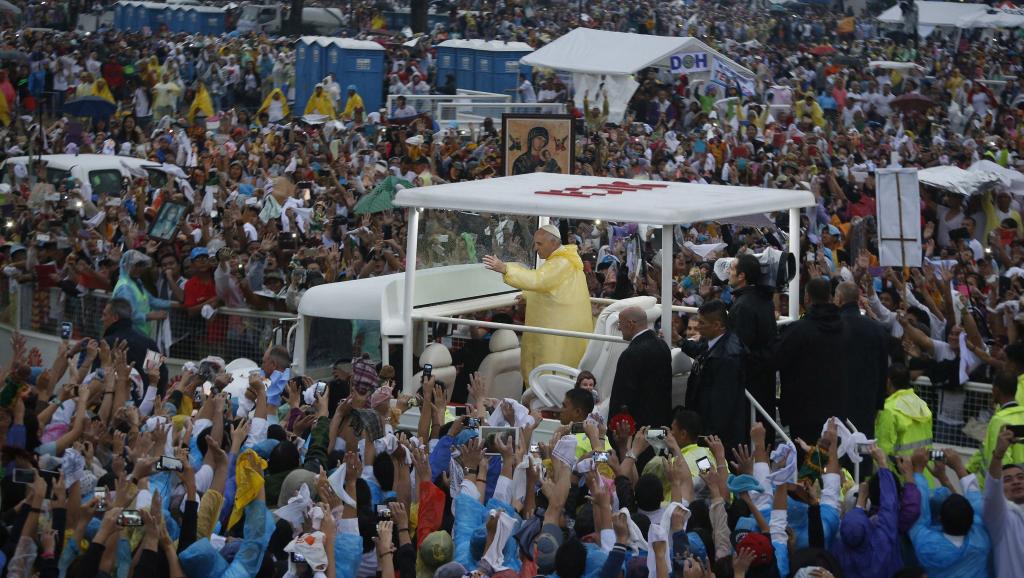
x: 686, y: 427
x: 905, y: 422
x: 1008, y: 413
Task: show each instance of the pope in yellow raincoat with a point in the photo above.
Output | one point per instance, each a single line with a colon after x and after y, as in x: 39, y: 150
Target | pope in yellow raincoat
x: 319, y: 103
x: 556, y: 296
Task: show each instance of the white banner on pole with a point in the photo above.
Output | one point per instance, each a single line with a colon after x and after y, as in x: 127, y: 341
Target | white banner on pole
x: 722, y: 74
x: 898, y: 204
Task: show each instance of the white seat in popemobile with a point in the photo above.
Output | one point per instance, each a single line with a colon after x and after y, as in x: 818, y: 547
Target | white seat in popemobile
x: 500, y: 369
x: 440, y: 358
x: 550, y: 381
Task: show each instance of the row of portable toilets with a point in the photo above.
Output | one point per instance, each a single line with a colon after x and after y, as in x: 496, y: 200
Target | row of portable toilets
x: 137, y: 16
x: 487, y: 66
x: 358, y: 62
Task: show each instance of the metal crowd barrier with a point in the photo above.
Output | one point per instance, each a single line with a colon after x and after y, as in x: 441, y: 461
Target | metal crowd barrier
x: 231, y: 333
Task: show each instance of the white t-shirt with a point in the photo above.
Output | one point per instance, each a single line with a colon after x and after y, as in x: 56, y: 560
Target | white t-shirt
x: 951, y: 403
x: 250, y: 232
x: 526, y: 93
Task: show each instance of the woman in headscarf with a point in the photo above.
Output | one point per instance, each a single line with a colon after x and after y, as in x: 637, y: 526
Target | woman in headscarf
x: 101, y: 90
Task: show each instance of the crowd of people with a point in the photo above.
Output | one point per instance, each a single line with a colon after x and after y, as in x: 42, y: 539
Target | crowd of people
x: 113, y: 466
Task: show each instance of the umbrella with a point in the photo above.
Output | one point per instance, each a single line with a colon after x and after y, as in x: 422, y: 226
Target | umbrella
x: 16, y: 55
x: 912, y: 101
x: 91, y: 106
x: 382, y: 197
x: 822, y: 50
x: 6, y: 6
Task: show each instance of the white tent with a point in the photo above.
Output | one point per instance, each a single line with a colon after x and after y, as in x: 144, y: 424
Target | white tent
x: 602, y: 59
x: 931, y: 15
x: 1012, y: 179
x: 956, y: 180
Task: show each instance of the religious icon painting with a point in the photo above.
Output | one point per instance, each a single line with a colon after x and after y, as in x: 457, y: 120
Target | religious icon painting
x: 535, y: 143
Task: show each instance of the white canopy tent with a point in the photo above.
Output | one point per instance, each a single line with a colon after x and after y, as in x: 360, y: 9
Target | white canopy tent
x: 950, y: 15
x: 602, y: 57
x: 581, y: 197
x: 956, y: 180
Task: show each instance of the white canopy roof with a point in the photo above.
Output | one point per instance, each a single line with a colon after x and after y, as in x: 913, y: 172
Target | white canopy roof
x: 583, y: 197
x: 349, y: 43
x: 604, y: 52
x: 954, y: 14
x: 956, y: 180
x: 485, y: 45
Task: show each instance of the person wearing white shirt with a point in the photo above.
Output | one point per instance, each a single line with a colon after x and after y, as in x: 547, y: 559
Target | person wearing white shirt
x: 1003, y: 509
x: 525, y: 92
x: 402, y: 109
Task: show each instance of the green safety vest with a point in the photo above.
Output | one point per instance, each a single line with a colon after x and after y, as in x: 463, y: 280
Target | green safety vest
x: 1014, y: 454
x: 140, y: 304
x: 904, y: 424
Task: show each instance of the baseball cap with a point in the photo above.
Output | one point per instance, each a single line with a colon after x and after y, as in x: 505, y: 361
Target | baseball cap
x: 547, y: 544
x: 198, y: 252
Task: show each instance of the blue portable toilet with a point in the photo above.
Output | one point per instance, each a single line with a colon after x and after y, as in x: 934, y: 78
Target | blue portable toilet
x: 181, y: 19
x: 138, y: 17
x: 465, y: 66
x: 309, y: 69
x: 120, y: 11
x: 210, y: 20
x: 156, y: 15
x: 505, y: 67
x: 358, y: 62
x: 171, y: 18
x: 482, y: 60
x: 447, y: 57
x: 193, y: 24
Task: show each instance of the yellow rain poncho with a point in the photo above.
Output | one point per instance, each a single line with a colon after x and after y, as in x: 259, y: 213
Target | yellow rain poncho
x: 319, y: 103
x: 248, y: 481
x: 5, y: 112
x: 201, y: 102
x: 557, y: 297
x: 101, y: 90
x: 267, y: 102
x: 354, y: 102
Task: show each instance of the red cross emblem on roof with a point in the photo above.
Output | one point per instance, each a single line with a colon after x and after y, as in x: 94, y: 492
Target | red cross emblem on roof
x: 600, y: 190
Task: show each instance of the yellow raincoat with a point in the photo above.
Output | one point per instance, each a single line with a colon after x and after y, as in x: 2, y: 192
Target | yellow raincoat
x: 556, y: 297
x: 265, y: 107
x: 5, y: 112
x: 354, y: 102
x: 201, y: 102
x: 101, y: 90
x: 319, y: 103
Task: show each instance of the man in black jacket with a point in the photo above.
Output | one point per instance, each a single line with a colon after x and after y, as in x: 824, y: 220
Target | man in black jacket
x: 812, y: 365
x: 715, y: 387
x: 117, y: 326
x: 643, y: 375
x: 866, y: 343
x: 752, y: 319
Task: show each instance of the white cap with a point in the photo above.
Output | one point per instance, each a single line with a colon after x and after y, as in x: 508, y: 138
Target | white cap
x: 553, y: 231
